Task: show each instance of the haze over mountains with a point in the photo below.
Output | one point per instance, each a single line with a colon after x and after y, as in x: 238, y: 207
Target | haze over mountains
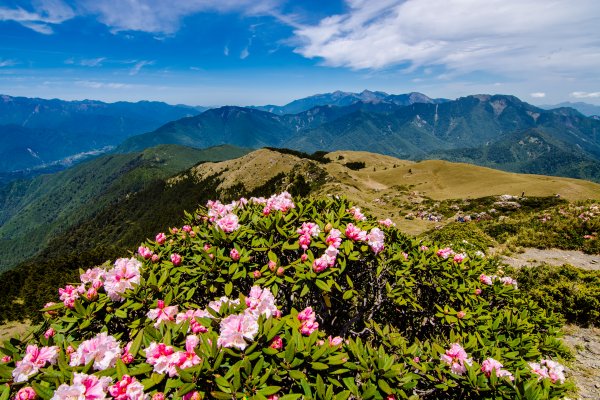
x: 38, y: 133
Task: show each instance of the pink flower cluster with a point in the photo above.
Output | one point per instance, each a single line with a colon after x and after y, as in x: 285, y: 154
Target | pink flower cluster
x: 331, y: 341
x: 489, y: 365
x: 375, y: 240
x: 460, y: 257
x: 145, y: 252
x: 234, y: 254
x: 191, y: 315
x: 162, y: 313
x: 505, y: 280
x: 307, y: 317
x: 355, y: 233
x: 35, y: 358
x: 128, y: 388
x: 261, y: 302
x: 280, y: 202
x: 88, y: 387
x: 355, y: 211
x: 166, y: 360
x: 228, y: 223
x: 456, y: 357
x: 334, y: 238
x: 308, y: 230
x: 222, y: 215
x: 549, y: 369
x: 216, y: 304
x: 327, y: 260
x: 103, y: 349
x: 386, y: 222
x: 25, y: 393
x: 124, y: 276
x: 69, y: 294
x: 445, y: 252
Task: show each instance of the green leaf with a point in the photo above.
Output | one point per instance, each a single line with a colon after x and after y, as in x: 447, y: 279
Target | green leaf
x: 43, y: 391
x: 121, y: 369
x: 228, y: 288
x: 269, y: 390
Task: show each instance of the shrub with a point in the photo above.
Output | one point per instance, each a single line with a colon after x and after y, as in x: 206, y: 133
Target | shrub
x: 355, y: 165
x: 566, y: 290
x: 282, y: 299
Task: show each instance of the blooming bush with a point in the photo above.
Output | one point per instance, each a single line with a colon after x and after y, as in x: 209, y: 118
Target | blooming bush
x: 285, y: 299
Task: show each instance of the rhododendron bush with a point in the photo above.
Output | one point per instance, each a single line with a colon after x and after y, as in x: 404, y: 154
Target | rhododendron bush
x: 283, y: 298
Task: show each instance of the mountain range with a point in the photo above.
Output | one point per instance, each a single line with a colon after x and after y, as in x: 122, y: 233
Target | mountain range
x: 38, y: 133
x: 584, y: 108
x: 464, y: 129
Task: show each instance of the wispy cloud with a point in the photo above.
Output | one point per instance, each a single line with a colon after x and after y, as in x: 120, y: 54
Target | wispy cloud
x: 164, y: 17
x: 497, y: 36
x: 7, y: 62
x: 538, y: 95
x: 86, y: 62
x: 244, y: 53
x: 138, y: 66
x: 103, y: 85
x: 585, y: 95
x: 41, y: 16
x: 226, y: 50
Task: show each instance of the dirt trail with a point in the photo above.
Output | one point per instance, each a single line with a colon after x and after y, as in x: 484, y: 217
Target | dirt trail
x: 585, y: 344
x: 531, y: 257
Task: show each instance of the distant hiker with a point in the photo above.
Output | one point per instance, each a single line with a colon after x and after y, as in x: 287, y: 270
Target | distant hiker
x: 523, y: 194
x: 410, y: 170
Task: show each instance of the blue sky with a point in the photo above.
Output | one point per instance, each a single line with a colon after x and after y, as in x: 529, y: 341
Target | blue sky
x: 214, y: 52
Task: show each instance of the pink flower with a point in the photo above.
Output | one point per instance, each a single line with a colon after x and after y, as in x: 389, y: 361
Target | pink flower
x: 461, y: 314
x: 192, y: 396
x: 334, y: 238
x: 256, y: 274
x: 321, y: 264
x: 489, y: 365
x: 50, y: 304
x: 485, y: 279
x: 277, y: 343
x: 417, y: 359
x: 155, y: 258
x: 477, y: 292
x: 228, y: 223
x: 386, y: 222
x: 158, y: 396
x: 456, y: 358
x: 281, y: 202
x: 423, y: 248
x: 375, y: 240
x: 303, y: 257
x: 124, y: 276
x: 335, y: 341
x: 175, y: 259
x: 445, y: 252
x: 85, y: 387
x: 234, y: 254
x: 355, y: 211
x: 216, y: 304
x: 91, y: 294
x: 280, y: 271
x: 273, y: 397
x: 308, y: 230
x: 507, y: 280
x: 128, y: 388
x: 549, y: 369
x: 261, y: 302
x: 103, y: 349
x: 35, y: 358
x: 159, y: 355
x: 68, y: 295
x: 6, y: 359
x: 308, y: 319
x: 188, y: 358
x: 354, y: 233
x: 127, y: 357
x: 272, y: 265
x: 95, y: 276
x: 49, y: 333
x: 191, y: 315
x: 235, y: 329
x: 145, y: 252
x: 458, y: 258
x: 26, y: 393
x: 161, y: 238
x: 162, y: 313
x: 187, y: 228
x: 405, y: 255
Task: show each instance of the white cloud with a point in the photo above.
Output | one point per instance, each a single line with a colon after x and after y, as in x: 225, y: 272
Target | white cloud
x: 138, y: 66
x: 159, y: 16
x: 92, y: 62
x: 538, y: 95
x: 585, y: 95
x: 103, y: 85
x: 226, y: 51
x: 41, y: 16
x: 244, y: 53
x: 496, y: 36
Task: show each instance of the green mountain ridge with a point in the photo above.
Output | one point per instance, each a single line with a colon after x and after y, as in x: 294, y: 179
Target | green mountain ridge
x: 34, y: 211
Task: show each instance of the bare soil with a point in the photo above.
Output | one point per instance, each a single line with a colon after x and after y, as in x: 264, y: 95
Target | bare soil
x: 531, y: 257
x: 585, y: 344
